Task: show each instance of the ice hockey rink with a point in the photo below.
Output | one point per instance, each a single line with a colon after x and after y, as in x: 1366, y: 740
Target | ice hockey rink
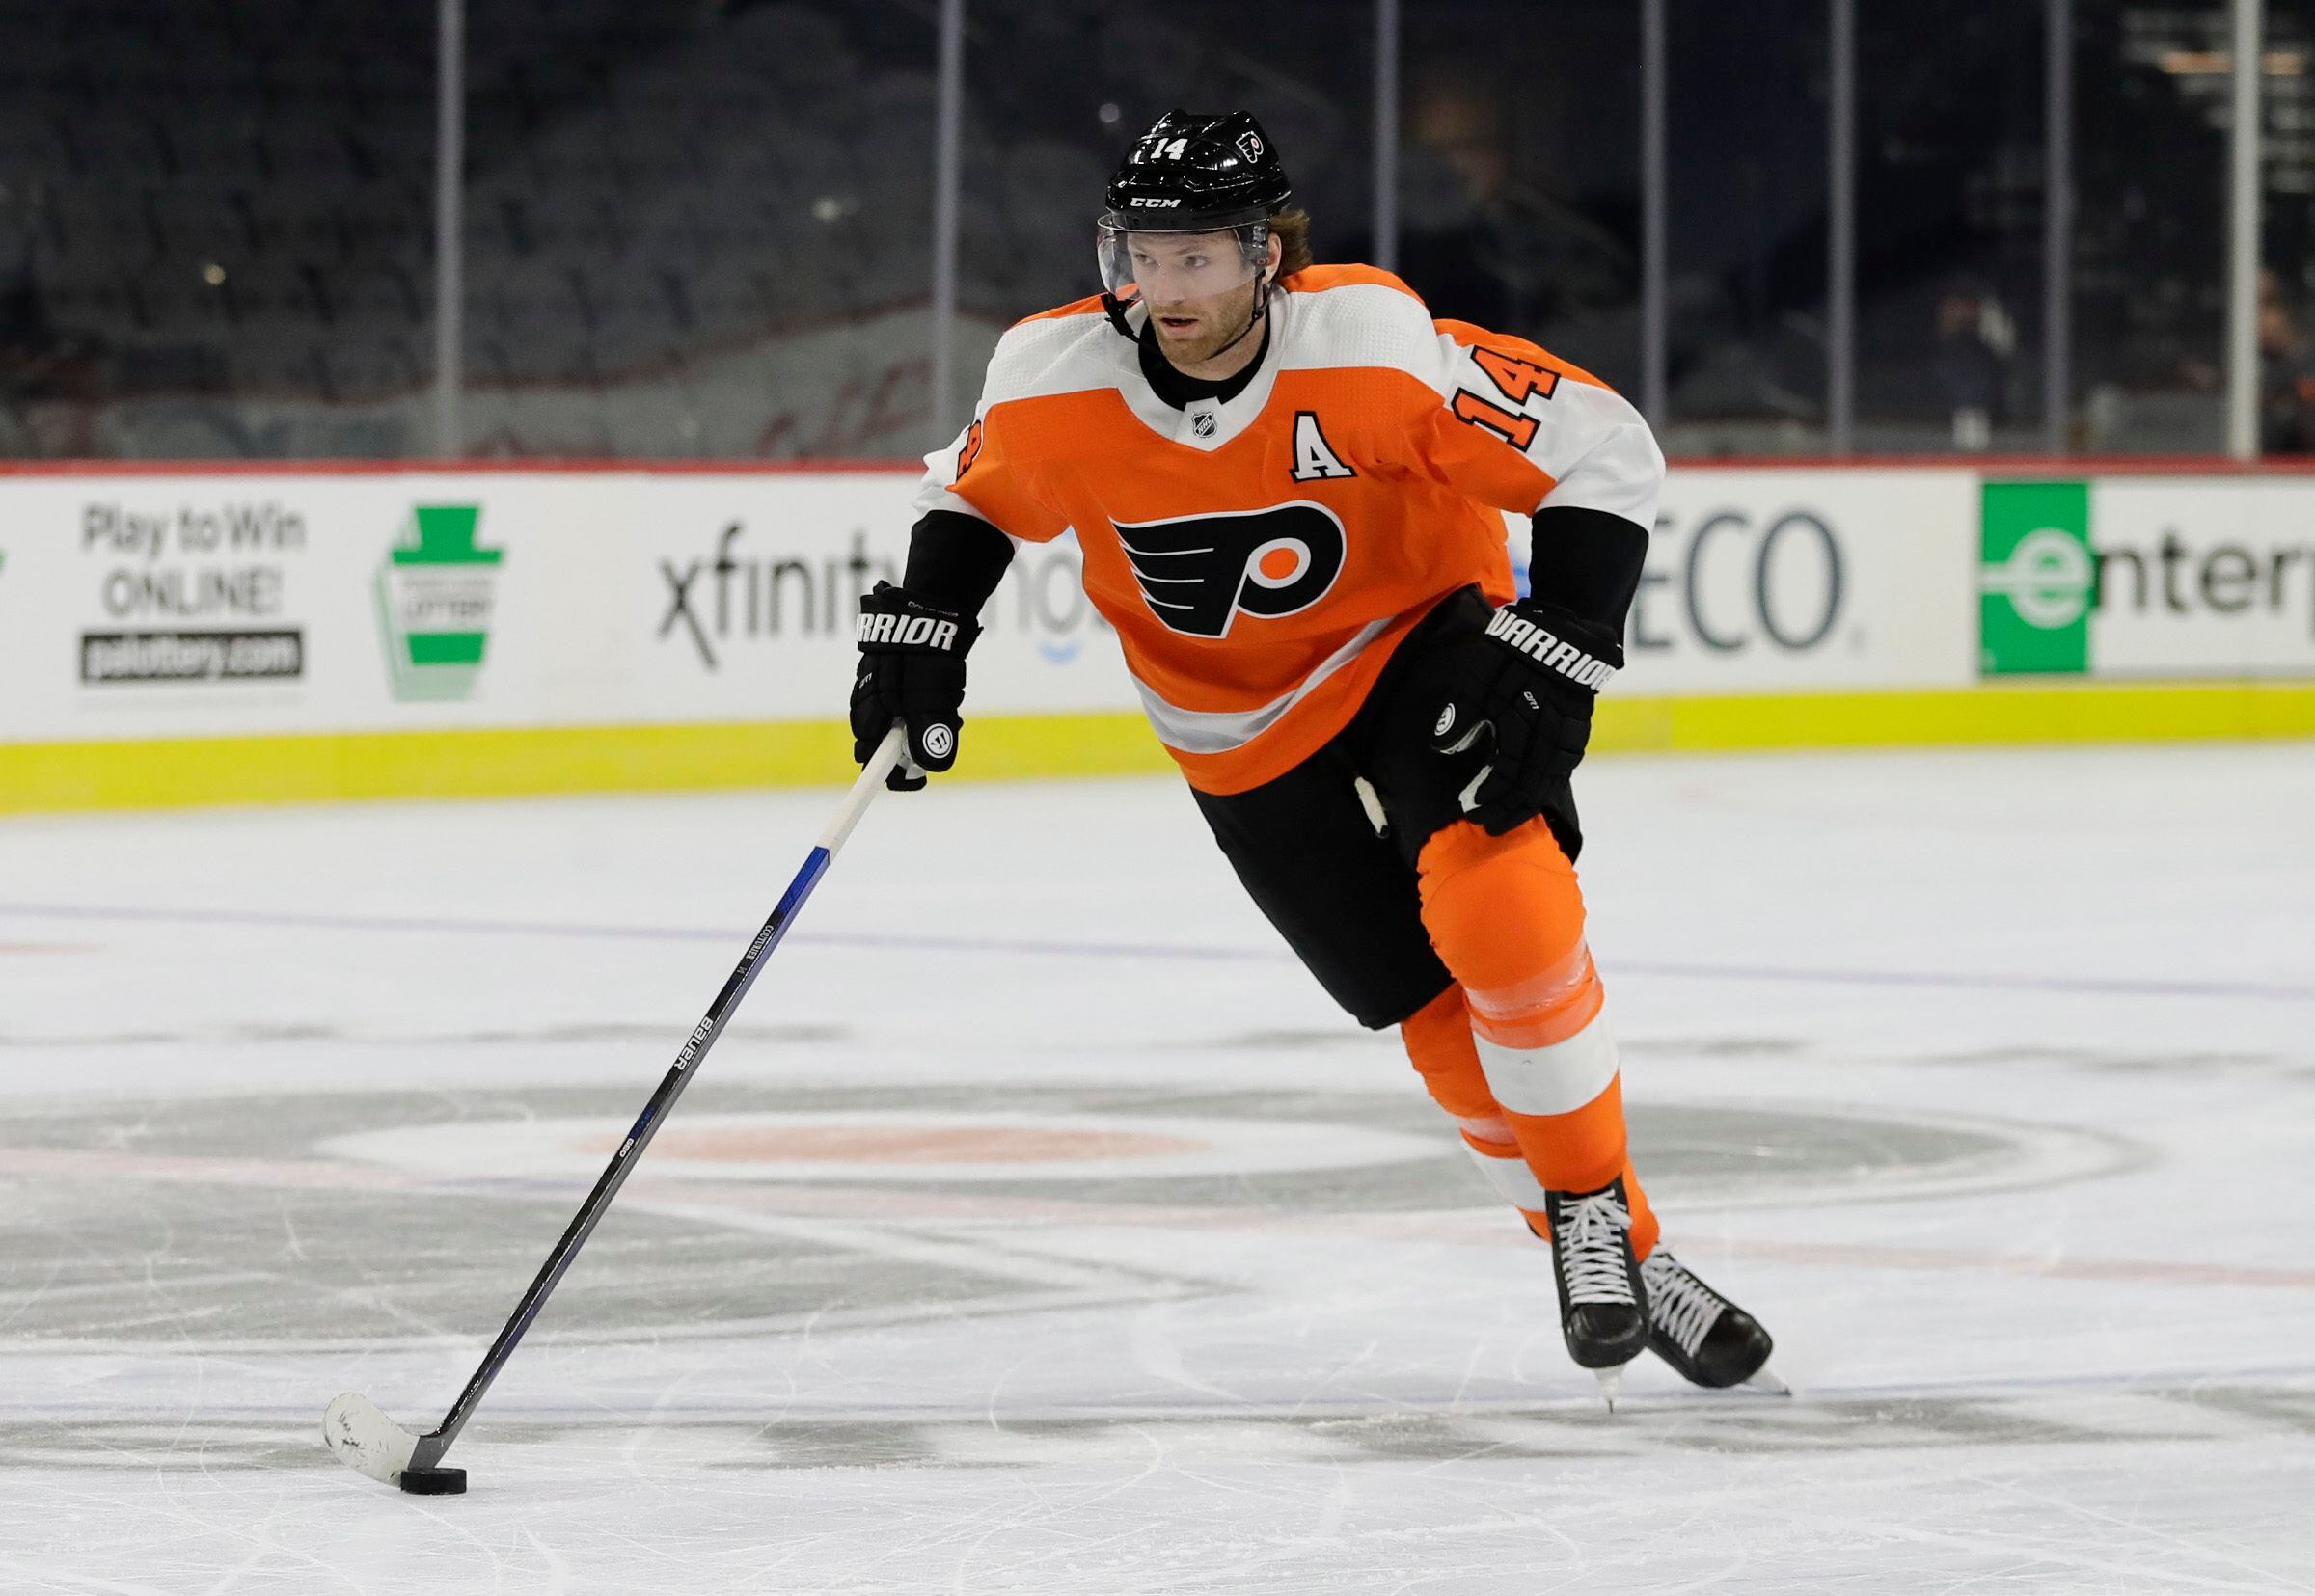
x: 1041, y: 1228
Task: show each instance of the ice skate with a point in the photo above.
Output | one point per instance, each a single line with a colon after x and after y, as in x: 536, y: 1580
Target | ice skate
x: 1711, y: 1341
x: 1603, y: 1299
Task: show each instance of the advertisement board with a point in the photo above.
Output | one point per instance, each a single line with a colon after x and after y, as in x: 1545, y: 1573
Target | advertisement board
x: 200, y: 635
x: 164, y: 606
x: 211, y: 593
x: 2156, y: 576
x: 170, y: 606
x: 738, y: 596
x: 1788, y: 581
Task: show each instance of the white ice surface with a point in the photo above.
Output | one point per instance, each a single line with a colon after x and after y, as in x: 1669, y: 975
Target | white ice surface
x: 2085, y: 1362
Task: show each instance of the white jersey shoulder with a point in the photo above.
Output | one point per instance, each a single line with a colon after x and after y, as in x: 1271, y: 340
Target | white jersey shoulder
x: 1053, y: 354
x: 1373, y: 320
x: 1590, y: 440
x: 1588, y: 437
x: 1070, y: 352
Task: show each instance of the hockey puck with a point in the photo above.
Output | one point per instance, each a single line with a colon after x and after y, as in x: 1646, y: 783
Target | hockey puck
x: 434, y: 1482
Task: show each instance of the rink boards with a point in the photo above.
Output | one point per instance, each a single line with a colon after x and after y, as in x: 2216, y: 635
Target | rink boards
x: 218, y: 634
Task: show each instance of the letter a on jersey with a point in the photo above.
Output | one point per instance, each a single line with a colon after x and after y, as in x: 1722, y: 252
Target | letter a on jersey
x: 1201, y: 572
x: 1314, y: 459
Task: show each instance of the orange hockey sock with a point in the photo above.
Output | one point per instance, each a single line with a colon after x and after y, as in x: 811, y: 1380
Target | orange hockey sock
x: 1439, y: 1039
x: 1508, y: 919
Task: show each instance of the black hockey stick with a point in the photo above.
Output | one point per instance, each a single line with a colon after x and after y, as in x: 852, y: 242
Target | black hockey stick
x: 355, y: 1427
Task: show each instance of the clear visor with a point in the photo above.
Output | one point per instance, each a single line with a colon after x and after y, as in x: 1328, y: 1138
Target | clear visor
x: 1177, y: 267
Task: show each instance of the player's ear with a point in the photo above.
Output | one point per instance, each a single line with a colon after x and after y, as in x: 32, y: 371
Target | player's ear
x: 1277, y: 257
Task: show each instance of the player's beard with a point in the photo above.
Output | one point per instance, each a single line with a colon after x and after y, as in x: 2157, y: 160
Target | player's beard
x: 1220, y: 322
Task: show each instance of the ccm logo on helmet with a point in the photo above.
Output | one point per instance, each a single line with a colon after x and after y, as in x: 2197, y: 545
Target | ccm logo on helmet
x: 1148, y: 204
x: 1201, y: 572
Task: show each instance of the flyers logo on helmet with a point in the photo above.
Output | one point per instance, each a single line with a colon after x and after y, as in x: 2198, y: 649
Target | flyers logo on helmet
x: 1200, y: 573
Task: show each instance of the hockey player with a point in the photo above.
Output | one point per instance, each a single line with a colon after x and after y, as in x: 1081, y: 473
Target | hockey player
x: 1286, y: 480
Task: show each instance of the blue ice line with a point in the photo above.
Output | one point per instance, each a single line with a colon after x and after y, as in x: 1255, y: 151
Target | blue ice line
x: 2091, y: 985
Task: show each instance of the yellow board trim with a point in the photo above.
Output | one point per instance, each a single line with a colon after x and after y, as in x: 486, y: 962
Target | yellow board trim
x: 40, y: 776
x: 500, y: 761
x: 1991, y: 713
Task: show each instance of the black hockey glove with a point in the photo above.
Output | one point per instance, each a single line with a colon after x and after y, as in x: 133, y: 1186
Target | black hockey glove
x: 912, y: 669
x: 1525, y: 694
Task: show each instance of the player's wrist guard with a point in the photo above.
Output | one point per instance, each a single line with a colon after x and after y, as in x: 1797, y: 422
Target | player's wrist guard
x: 912, y: 670
x: 1525, y: 693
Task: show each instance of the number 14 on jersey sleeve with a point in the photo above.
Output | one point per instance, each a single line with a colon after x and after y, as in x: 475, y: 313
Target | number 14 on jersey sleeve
x: 1516, y: 380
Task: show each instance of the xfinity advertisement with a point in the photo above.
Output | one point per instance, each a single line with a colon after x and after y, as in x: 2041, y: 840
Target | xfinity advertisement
x: 748, y: 587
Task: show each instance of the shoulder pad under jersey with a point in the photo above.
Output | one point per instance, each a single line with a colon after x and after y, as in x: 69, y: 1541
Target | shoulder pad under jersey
x: 1060, y: 351
x: 1361, y: 316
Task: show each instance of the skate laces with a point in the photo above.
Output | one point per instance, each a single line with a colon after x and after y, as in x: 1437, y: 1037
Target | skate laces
x: 1588, y: 1234
x: 1683, y: 1306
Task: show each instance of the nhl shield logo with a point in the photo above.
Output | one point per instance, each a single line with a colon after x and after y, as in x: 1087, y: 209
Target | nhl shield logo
x: 1202, y: 423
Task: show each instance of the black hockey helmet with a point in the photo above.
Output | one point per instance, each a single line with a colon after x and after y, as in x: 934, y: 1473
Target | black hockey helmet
x: 1192, y: 172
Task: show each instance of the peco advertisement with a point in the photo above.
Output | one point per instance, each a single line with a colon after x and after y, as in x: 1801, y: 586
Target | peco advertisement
x: 1772, y: 581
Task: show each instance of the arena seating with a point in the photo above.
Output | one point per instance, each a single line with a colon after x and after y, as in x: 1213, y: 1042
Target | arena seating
x: 236, y: 217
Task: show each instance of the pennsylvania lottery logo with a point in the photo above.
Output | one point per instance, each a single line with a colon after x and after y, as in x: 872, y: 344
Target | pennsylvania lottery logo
x: 2037, y: 579
x: 434, y: 593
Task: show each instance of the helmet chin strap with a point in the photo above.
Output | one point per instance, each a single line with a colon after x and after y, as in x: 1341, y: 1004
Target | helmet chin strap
x: 1261, y: 307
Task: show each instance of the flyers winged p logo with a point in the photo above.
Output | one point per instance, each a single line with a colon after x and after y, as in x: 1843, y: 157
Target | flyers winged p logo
x: 1200, y: 573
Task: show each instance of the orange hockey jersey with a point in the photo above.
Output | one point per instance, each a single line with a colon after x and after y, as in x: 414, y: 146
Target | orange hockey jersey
x: 1260, y: 556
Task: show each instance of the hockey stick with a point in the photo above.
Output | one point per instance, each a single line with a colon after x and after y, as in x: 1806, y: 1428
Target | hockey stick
x: 355, y: 1427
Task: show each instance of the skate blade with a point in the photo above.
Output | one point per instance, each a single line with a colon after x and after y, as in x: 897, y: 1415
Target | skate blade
x: 1611, y: 1382
x: 1767, y: 1382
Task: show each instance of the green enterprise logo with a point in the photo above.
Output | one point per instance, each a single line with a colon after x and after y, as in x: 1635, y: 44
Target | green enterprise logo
x: 2038, y: 580
x: 434, y: 595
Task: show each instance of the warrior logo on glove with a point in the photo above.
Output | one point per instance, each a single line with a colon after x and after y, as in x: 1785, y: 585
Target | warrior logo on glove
x: 1200, y: 573
x: 1540, y: 644
x: 1522, y: 691
x: 923, y: 631
x: 912, y: 669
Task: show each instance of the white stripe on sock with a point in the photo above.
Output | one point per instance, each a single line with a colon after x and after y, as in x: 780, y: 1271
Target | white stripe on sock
x: 1513, y: 1181
x: 1558, y: 1079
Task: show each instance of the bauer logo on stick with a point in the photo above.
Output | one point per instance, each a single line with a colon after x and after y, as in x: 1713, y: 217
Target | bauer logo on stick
x: 1201, y: 572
